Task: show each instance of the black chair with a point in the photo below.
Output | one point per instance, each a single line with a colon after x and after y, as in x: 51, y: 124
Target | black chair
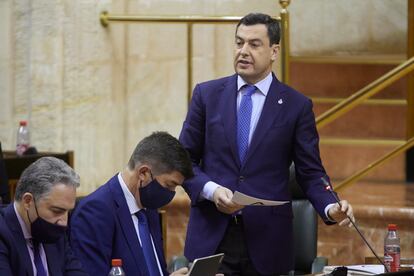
x: 305, y: 228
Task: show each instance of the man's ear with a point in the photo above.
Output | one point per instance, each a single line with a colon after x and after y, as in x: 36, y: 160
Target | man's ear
x: 27, y: 200
x: 143, y: 172
x: 275, y: 48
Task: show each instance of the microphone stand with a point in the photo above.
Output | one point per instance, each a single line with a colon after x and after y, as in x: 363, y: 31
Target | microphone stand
x: 328, y: 188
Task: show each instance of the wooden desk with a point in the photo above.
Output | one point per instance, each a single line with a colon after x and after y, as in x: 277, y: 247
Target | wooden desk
x: 15, y: 165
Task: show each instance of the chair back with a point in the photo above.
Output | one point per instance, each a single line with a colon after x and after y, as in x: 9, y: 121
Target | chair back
x: 305, y: 228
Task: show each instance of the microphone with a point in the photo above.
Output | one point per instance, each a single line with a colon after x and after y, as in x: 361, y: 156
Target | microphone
x: 329, y: 188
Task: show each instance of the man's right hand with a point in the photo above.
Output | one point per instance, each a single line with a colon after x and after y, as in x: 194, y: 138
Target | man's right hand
x: 180, y: 272
x: 222, y: 199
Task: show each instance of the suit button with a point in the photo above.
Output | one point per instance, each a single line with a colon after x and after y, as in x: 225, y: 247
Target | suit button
x: 241, y: 178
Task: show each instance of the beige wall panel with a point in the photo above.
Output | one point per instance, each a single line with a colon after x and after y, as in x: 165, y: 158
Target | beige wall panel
x: 348, y: 27
x: 6, y: 82
x: 98, y: 90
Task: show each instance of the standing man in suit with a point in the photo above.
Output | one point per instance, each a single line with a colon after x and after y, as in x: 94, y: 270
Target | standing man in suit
x: 33, y: 228
x: 120, y: 219
x: 242, y: 133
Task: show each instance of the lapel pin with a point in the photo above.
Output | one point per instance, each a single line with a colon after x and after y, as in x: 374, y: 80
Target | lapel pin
x: 280, y: 101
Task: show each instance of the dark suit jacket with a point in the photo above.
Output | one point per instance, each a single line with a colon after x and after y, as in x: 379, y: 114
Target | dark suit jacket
x: 285, y: 132
x: 102, y: 229
x: 14, y: 255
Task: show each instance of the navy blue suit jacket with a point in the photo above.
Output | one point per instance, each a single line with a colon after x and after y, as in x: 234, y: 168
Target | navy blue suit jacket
x: 14, y: 255
x: 102, y: 229
x: 285, y: 132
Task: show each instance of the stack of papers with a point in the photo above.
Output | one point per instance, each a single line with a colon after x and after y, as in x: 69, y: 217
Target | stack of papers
x: 358, y: 269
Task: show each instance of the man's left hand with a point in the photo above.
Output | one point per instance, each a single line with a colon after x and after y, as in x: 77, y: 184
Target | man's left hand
x: 339, y: 213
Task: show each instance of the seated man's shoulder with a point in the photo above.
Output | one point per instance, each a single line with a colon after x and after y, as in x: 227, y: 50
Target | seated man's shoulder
x: 99, y: 201
x: 5, y: 224
x: 4, y: 229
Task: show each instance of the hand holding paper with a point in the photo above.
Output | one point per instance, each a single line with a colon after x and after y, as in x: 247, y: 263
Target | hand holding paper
x: 222, y: 199
x: 245, y: 200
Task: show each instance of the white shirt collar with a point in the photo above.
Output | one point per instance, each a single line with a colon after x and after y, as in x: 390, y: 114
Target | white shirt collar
x: 262, y: 85
x: 130, y: 199
x: 23, y: 225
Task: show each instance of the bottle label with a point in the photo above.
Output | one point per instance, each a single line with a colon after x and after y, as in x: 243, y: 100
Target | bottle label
x: 392, y: 261
x: 21, y: 148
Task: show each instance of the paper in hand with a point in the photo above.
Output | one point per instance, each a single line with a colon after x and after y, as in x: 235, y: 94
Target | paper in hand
x: 245, y: 200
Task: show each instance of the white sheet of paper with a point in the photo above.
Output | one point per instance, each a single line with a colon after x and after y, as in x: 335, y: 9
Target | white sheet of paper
x: 245, y: 200
x: 359, y: 269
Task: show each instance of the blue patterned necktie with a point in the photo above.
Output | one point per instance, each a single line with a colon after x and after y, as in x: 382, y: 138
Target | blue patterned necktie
x: 243, y: 121
x: 37, y: 259
x: 146, y: 244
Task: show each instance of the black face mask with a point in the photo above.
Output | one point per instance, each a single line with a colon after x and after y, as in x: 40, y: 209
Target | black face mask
x: 154, y: 196
x: 44, y: 231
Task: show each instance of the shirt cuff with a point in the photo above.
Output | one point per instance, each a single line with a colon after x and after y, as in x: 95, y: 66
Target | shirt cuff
x: 208, y: 190
x: 326, y: 212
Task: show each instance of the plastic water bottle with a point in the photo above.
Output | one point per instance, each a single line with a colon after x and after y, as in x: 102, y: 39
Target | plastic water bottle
x: 392, y: 249
x: 116, y: 269
x: 23, y: 138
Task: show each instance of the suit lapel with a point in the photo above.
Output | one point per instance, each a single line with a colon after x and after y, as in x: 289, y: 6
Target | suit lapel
x: 270, y: 111
x: 52, y: 253
x: 127, y: 226
x: 229, y: 114
x: 20, y: 244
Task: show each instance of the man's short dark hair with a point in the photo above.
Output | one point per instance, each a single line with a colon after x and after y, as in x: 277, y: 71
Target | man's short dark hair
x: 272, y: 25
x: 163, y: 153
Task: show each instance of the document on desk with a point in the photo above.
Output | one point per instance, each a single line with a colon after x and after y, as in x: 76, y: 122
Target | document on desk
x: 358, y: 269
x: 243, y: 199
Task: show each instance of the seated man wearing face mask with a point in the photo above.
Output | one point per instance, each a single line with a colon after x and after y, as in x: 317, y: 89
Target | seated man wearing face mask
x: 33, y: 228
x: 120, y: 219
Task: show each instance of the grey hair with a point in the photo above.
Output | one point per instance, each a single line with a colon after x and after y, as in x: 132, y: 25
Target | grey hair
x: 39, y: 178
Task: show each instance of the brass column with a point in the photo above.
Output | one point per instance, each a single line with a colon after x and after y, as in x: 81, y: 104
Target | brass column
x: 410, y: 92
x: 285, y: 51
x: 189, y: 61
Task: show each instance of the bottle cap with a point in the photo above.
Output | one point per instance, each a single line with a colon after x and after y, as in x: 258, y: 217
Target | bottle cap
x: 392, y: 227
x: 23, y: 123
x: 116, y: 262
